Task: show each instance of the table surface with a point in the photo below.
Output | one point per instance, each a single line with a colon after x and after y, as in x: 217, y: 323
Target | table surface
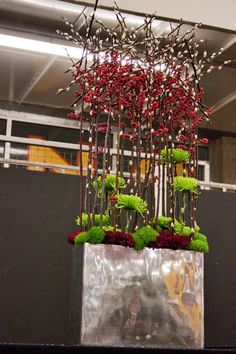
x: 66, y: 349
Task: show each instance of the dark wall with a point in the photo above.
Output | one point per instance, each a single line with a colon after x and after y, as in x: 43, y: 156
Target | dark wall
x: 37, y: 213
x: 217, y: 216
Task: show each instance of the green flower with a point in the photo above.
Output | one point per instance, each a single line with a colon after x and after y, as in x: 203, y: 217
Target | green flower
x: 163, y: 223
x: 178, y: 155
x: 181, y: 229
x: 144, y: 236
x: 110, y: 228
x: 131, y: 202
x: 81, y: 238
x: 196, y: 228
x: 110, y: 184
x: 186, y: 184
x: 199, y: 236
x: 95, y: 235
x: 198, y: 246
x: 105, y: 220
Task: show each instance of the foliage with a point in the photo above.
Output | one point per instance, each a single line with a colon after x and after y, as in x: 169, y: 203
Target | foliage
x: 178, y: 155
x: 110, y: 184
x: 131, y: 202
x: 95, y: 235
x: 105, y: 220
x: 110, y: 228
x: 182, y: 229
x: 81, y: 238
x: 162, y: 223
x: 198, y: 245
x: 196, y: 228
x: 199, y: 236
x: 186, y: 184
x: 144, y: 236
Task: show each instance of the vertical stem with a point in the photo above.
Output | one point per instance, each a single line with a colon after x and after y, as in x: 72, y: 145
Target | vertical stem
x: 138, y: 159
x: 183, y: 207
x: 159, y: 179
x: 89, y: 171
x: 127, y: 221
x: 147, y: 171
x: 95, y: 168
x: 104, y: 166
x: 172, y: 167
x: 163, y: 189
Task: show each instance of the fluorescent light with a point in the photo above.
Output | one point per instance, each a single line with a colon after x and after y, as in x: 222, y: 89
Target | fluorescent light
x: 39, y: 46
x: 52, y: 5
x: 110, y: 15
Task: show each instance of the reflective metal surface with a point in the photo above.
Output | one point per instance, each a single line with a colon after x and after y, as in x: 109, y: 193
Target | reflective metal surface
x: 150, y: 298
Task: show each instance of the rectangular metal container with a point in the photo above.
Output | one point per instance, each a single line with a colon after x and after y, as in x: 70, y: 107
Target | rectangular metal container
x: 151, y: 298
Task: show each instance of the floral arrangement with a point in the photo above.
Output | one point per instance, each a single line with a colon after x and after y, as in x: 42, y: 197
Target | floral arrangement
x: 142, y: 90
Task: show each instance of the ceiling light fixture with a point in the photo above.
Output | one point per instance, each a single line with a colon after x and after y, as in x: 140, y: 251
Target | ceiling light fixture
x: 37, y: 46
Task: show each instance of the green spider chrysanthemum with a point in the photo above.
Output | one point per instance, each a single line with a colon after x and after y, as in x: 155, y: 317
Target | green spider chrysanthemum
x: 199, y: 236
x: 198, y: 246
x: 144, y: 236
x: 178, y: 155
x: 186, y: 184
x: 131, y: 202
x: 182, y: 229
x: 95, y: 235
x: 81, y: 238
x: 163, y: 222
x: 110, y: 184
x: 105, y: 220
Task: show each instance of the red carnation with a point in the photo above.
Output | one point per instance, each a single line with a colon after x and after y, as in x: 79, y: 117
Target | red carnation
x: 71, y: 238
x: 167, y: 239
x: 118, y: 238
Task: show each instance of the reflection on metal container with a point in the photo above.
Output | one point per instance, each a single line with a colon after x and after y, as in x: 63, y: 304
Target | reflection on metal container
x: 152, y: 298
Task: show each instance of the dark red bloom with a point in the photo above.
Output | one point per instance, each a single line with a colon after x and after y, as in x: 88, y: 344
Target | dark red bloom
x: 183, y: 147
x: 102, y: 128
x: 118, y: 238
x: 203, y: 141
x: 71, y: 238
x: 182, y: 138
x: 167, y: 239
x: 113, y: 199
x: 126, y: 136
x: 74, y: 115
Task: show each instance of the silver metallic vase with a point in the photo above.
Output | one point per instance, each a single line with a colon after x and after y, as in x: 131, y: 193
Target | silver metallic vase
x: 151, y: 298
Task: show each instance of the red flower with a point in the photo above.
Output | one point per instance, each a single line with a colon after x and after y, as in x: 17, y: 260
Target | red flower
x: 183, y: 147
x: 74, y: 115
x: 71, y: 238
x: 118, y: 238
x: 203, y: 141
x: 102, y: 128
x: 126, y: 136
x: 113, y: 199
x: 167, y: 239
x: 182, y: 138
x: 192, y: 149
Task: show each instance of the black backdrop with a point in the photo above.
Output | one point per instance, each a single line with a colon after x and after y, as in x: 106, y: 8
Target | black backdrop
x: 37, y: 212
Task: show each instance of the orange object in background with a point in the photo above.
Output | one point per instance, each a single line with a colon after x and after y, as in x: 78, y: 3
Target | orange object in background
x: 43, y: 154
